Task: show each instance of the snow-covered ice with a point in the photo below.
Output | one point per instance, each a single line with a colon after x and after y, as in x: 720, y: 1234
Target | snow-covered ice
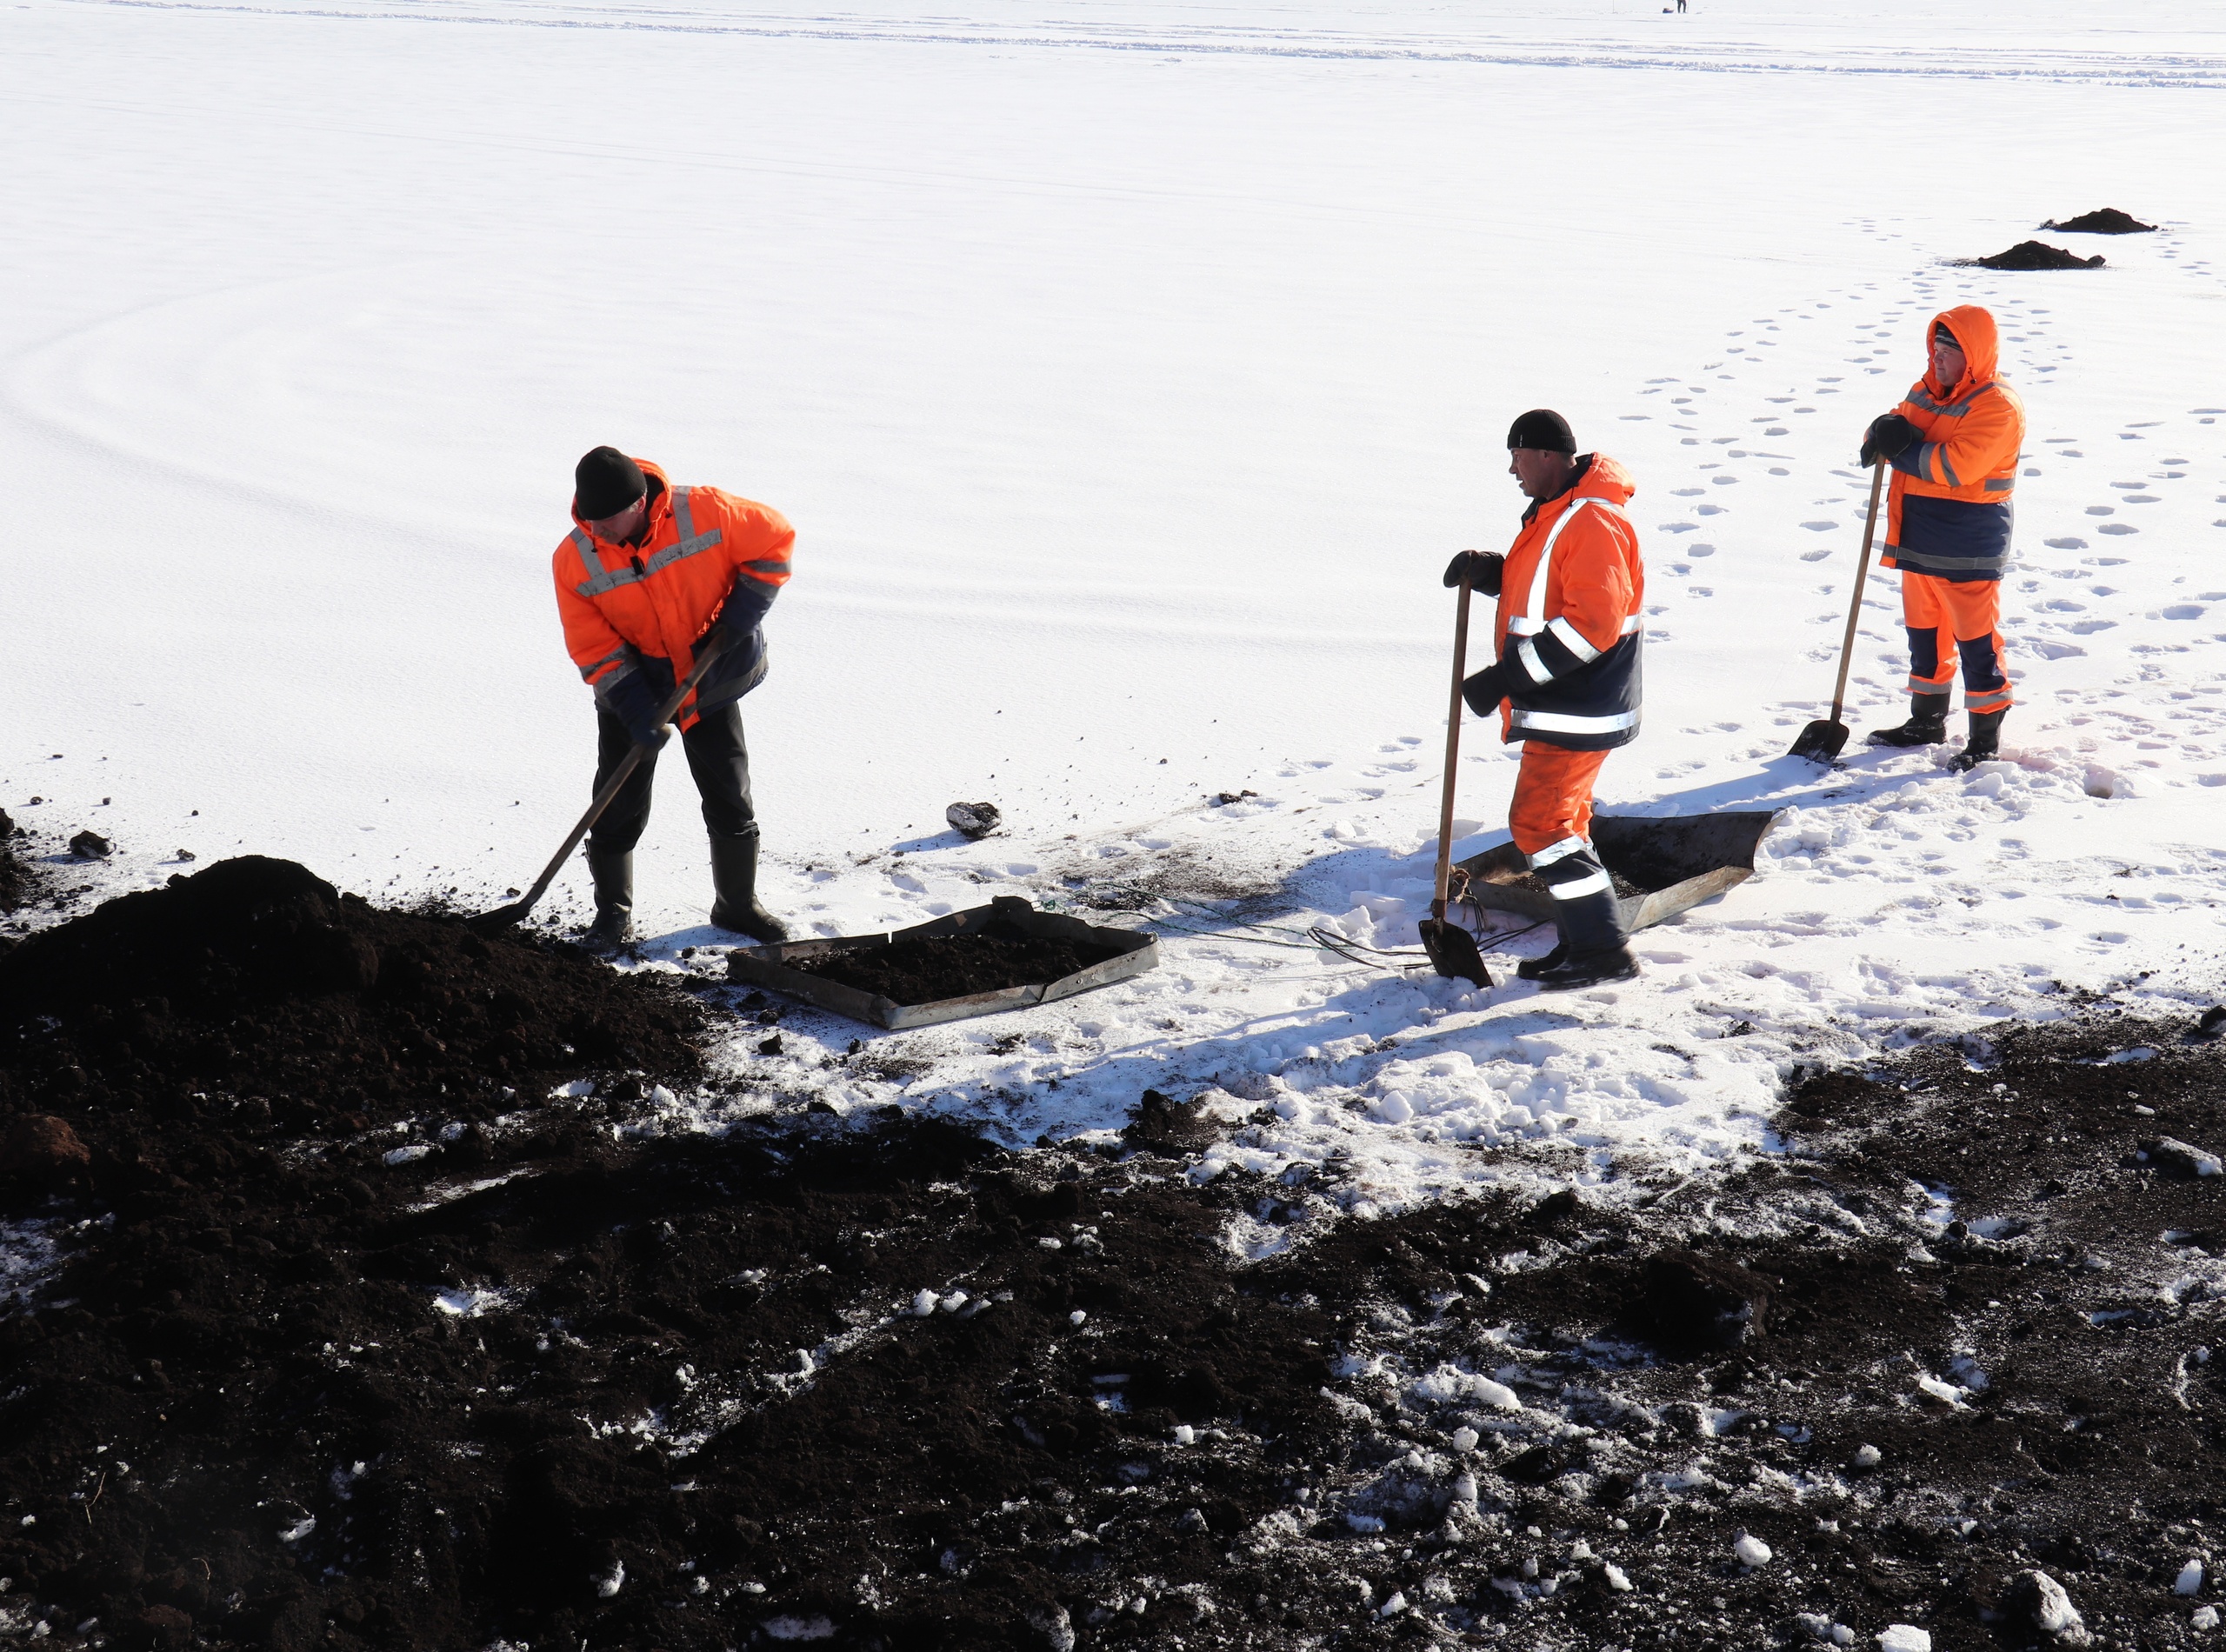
x: 1129, y: 372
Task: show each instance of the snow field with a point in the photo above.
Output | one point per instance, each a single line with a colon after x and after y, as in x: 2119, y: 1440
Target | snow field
x: 1129, y: 375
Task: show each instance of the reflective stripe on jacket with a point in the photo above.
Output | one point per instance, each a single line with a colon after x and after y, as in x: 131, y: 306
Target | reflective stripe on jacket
x: 706, y: 555
x: 1950, y: 513
x: 1567, y: 624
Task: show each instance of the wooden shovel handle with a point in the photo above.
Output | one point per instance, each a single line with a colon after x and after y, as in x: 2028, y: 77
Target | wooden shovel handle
x: 1452, y: 755
x: 1862, y: 572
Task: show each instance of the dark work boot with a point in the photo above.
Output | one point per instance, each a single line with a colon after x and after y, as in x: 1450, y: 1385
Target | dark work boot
x: 1532, y: 968
x: 1928, y: 723
x: 613, y: 929
x: 1595, y: 947
x: 734, y: 876
x: 1591, y: 948
x: 1985, y: 741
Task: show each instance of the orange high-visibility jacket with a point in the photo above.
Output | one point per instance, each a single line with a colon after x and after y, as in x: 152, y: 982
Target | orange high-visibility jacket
x: 1568, y: 624
x: 1948, y: 514
x: 628, y: 608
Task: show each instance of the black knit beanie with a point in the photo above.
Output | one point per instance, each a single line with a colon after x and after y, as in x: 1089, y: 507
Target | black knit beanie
x: 1542, y: 427
x: 1942, y: 334
x: 604, y: 484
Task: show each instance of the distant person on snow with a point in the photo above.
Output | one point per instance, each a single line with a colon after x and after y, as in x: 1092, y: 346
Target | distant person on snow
x: 1954, y: 445
x: 1566, y: 682
x: 651, y: 578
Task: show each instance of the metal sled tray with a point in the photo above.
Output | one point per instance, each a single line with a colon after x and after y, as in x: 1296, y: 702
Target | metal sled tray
x: 1677, y: 860
x: 767, y: 966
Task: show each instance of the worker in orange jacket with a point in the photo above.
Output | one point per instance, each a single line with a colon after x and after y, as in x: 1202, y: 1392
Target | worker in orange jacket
x: 1954, y: 445
x: 1566, y: 681
x: 652, y: 579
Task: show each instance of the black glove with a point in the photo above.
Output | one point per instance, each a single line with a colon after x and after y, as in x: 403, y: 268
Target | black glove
x: 1481, y: 568
x: 633, y: 701
x: 1486, y: 690
x: 712, y: 644
x: 1889, y: 437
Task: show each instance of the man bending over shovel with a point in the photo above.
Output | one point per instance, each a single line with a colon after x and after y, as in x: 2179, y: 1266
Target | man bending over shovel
x: 652, y: 579
x: 1566, y: 682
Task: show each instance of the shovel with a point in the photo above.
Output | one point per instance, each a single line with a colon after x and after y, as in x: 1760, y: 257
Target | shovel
x: 1821, y: 740
x: 1452, y: 950
x: 503, y: 916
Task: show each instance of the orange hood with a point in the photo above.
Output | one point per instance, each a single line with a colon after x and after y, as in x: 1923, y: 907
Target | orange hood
x: 1605, y: 478
x: 1975, y: 330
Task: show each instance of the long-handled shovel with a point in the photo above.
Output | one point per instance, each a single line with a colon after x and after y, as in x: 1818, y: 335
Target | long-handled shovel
x: 1821, y: 740
x: 503, y: 916
x: 1452, y: 950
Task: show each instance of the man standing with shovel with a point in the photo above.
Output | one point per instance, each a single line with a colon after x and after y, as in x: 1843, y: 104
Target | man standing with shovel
x: 1953, y: 445
x: 657, y: 585
x: 1566, y: 682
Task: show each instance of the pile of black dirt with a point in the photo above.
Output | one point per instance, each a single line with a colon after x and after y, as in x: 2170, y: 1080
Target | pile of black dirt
x: 557, y: 1377
x: 2106, y: 221
x: 256, y: 979
x: 928, y: 968
x: 15, y: 878
x: 2035, y: 255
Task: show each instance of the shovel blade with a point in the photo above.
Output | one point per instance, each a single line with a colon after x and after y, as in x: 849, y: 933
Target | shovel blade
x: 1821, y: 740
x: 502, y: 918
x: 1453, y: 951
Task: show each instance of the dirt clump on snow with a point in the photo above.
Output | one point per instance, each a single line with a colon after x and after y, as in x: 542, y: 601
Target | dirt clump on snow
x: 2034, y: 255
x: 925, y: 968
x: 40, y: 1153
x: 2105, y: 221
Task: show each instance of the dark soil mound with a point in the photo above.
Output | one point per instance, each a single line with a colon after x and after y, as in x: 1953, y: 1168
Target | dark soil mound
x: 15, y: 884
x: 2107, y: 221
x: 926, y: 968
x: 258, y: 978
x: 2034, y: 255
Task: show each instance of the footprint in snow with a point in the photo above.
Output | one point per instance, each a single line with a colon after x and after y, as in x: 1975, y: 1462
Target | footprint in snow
x: 2117, y: 527
x: 1820, y: 526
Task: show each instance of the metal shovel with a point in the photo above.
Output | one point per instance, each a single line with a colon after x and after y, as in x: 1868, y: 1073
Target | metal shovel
x: 1452, y: 950
x: 503, y: 916
x: 1821, y: 740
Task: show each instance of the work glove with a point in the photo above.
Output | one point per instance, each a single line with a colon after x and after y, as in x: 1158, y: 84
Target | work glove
x: 633, y: 699
x: 712, y: 644
x: 1486, y: 690
x: 1481, y: 568
x: 1889, y: 437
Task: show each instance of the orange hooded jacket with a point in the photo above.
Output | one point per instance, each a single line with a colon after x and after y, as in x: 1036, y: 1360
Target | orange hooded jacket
x: 1568, y: 624
x: 1948, y: 514
x: 633, y: 613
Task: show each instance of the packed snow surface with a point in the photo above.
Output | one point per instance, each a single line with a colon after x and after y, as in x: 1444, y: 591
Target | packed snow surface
x: 1129, y: 371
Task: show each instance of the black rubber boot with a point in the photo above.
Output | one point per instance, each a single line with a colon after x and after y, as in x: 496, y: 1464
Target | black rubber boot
x: 1595, y: 950
x: 1591, y: 948
x: 734, y: 876
x: 1985, y: 741
x: 1532, y: 968
x: 1928, y: 723
x: 613, y: 929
